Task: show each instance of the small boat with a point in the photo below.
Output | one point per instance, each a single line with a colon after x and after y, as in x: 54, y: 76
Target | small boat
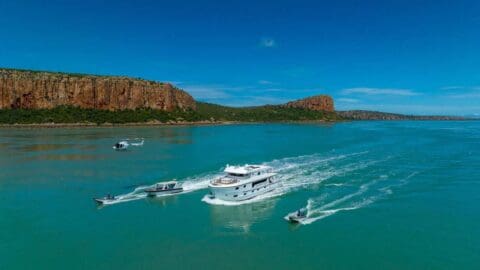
x: 164, y: 188
x: 298, y: 216
x: 105, y: 200
x: 121, y: 145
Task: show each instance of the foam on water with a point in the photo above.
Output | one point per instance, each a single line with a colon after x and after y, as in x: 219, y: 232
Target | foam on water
x: 136, y: 194
x: 189, y: 184
x: 368, y: 193
x: 199, y: 182
x: 335, y: 184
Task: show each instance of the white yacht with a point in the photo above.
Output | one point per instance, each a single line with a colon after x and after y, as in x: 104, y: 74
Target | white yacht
x: 243, y: 182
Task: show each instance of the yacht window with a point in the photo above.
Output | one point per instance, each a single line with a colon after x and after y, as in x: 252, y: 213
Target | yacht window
x: 244, y: 186
x: 236, y: 188
x: 258, y: 182
x: 235, y: 195
x: 244, y: 194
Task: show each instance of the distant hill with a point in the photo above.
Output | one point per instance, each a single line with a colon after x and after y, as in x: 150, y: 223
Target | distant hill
x: 373, y: 115
x: 266, y: 113
x: 315, y: 103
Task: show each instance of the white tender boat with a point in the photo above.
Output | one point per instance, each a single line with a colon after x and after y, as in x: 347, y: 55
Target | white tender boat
x: 243, y: 182
x: 297, y: 216
x: 164, y: 188
x: 105, y: 200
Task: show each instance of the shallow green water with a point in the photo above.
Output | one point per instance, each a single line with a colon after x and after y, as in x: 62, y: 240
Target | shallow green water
x: 382, y: 195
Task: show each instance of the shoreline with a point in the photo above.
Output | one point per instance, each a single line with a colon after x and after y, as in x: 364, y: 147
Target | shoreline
x: 199, y: 123
x: 151, y: 124
x: 107, y: 125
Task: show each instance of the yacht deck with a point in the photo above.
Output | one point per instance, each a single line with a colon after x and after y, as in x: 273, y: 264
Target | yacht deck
x: 234, y: 181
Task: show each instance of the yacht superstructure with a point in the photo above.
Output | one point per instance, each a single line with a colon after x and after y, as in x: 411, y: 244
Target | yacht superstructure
x: 243, y: 182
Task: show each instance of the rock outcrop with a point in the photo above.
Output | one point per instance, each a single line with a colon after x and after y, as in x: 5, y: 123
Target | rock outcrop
x: 44, y: 90
x: 316, y: 103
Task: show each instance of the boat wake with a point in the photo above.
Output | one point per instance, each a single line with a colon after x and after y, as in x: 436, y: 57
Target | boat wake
x: 200, y: 181
x: 347, y: 198
x: 189, y: 184
x: 295, y: 173
x: 137, y: 194
x: 138, y: 143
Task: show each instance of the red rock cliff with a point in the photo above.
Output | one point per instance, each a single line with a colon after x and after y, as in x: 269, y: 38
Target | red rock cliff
x: 316, y: 103
x: 40, y: 90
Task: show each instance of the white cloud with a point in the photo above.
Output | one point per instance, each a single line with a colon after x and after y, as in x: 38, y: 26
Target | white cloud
x: 274, y: 90
x: 268, y: 42
x: 265, y: 82
x: 379, y: 91
x: 465, y: 88
x: 206, y: 92
x: 469, y: 92
x: 348, y: 100
x: 454, y: 87
x: 175, y: 82
x: 466, y: 95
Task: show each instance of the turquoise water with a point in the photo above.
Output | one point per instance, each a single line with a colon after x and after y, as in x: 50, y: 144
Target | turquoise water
x: 382, y: 195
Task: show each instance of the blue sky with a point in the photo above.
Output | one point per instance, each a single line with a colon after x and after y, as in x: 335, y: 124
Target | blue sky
x: 419, y: 57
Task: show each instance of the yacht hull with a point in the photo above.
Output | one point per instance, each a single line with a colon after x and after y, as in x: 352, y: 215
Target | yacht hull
x: 244, y: 192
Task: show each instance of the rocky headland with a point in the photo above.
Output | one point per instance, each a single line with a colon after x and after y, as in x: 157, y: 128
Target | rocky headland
x: 315, y: 103
x: 22, y: 89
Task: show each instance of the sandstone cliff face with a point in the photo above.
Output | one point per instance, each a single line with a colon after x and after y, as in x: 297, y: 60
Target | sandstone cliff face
x: 316, y: 103
x: 42, y: 90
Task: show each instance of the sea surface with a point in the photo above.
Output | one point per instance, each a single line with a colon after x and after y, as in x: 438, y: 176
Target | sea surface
x: 381, y: 195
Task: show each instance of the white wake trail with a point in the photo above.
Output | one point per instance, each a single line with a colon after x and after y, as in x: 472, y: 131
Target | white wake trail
x: 137, y: 194
x: 319, y: 209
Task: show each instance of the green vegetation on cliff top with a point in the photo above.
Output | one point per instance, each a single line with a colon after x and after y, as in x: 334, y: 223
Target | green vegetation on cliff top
x: 73, y: 74
x: 204, y: 112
